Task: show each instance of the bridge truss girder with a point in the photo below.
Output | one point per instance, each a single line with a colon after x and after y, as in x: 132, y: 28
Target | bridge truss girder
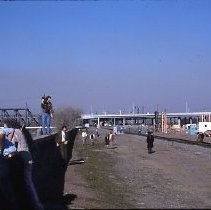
x: 22, y: 115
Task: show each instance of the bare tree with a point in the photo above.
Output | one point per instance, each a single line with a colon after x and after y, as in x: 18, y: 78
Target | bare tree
x: 68, y: 116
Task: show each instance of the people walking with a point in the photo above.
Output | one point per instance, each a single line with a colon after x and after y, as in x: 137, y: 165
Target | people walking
x: 47, y: 114
x: 150, y: 141
x: 84, y: 136
x: 92, y: 137
x: 107, y: 140
x: 97, y: 132
x: 111, y: 138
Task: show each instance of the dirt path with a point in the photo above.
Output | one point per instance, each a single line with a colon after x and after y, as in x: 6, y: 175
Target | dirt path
x: 175, y: 176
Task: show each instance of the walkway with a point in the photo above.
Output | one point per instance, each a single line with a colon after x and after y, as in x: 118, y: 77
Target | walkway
x: 175, y: 176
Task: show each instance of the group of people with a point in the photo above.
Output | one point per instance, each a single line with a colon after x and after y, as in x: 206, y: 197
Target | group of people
x: 91, y: 135
x: 16, y: 184
x: 109, y: 138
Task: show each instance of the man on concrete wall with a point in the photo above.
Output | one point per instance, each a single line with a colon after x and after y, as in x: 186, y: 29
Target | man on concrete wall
x: 47, y: 114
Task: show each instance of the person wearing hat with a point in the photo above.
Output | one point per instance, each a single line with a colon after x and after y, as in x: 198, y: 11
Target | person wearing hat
x: 47, y: 114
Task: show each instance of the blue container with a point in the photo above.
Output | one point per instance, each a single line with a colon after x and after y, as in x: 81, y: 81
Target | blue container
x: 192, y: 130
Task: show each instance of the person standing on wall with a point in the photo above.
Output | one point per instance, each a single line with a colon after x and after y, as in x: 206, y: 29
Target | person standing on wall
x: 47, y: 114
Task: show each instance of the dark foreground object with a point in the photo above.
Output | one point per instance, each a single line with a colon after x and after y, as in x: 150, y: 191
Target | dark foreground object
x: 78, y: 161
x: 48, y: 174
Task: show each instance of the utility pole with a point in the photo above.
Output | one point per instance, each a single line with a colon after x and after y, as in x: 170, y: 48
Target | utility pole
x: 142, y: 109
x: 133, y: 108
x: 91, y: 109
x: 157, y: 107
x: 186, y: 106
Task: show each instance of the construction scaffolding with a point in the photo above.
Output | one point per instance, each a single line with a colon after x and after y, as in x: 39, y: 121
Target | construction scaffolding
x: 164, y: 123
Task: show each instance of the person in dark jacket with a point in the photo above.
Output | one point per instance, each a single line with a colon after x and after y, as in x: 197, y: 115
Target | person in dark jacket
x: 61, y: 142
x: 47, y: 114
x: 150, y: 141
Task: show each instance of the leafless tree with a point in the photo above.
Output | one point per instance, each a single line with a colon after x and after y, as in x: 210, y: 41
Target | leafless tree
x: 68, y: 116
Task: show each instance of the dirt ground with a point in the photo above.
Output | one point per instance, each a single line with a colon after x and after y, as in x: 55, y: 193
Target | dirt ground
x: 176, y: 175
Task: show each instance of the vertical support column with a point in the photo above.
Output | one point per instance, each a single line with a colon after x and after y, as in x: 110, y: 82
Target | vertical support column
x: 162, y: 122
x: 123, y: 121
x: 153, y: 121
x: 179, y: 122
x: 202, y: 118
x: 175, y: 120
x: 27, y: 117
x: 154, y: 124
x: 114, y: 122
x: 144, y: 120
x: 165, y: 123
x: 98, y: 122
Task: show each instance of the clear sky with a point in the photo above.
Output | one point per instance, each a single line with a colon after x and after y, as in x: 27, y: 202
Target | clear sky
x: 106, y: 55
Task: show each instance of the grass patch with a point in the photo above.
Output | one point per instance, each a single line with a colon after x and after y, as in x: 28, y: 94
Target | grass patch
x: 101, y: 176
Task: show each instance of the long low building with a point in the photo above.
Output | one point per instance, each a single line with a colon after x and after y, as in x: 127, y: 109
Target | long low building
x: 148, y: 118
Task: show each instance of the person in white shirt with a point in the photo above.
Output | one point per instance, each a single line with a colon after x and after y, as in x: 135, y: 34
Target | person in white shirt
x: 62, y: 143
x: 111, y: 138
x: 84, y: 136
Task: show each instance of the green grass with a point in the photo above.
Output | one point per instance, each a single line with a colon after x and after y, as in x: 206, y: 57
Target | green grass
x: 101, y: 176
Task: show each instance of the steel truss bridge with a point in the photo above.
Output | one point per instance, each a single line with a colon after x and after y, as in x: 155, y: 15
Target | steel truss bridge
x: 22, y: 115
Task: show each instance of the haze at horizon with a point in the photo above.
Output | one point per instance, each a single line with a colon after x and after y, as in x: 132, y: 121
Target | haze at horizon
x: 106, y: 55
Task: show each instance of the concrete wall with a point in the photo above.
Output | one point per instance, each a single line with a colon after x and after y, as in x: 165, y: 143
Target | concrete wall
x: 49, y: 168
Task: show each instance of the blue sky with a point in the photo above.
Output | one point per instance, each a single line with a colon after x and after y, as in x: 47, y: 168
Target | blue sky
x: 106, y: 55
